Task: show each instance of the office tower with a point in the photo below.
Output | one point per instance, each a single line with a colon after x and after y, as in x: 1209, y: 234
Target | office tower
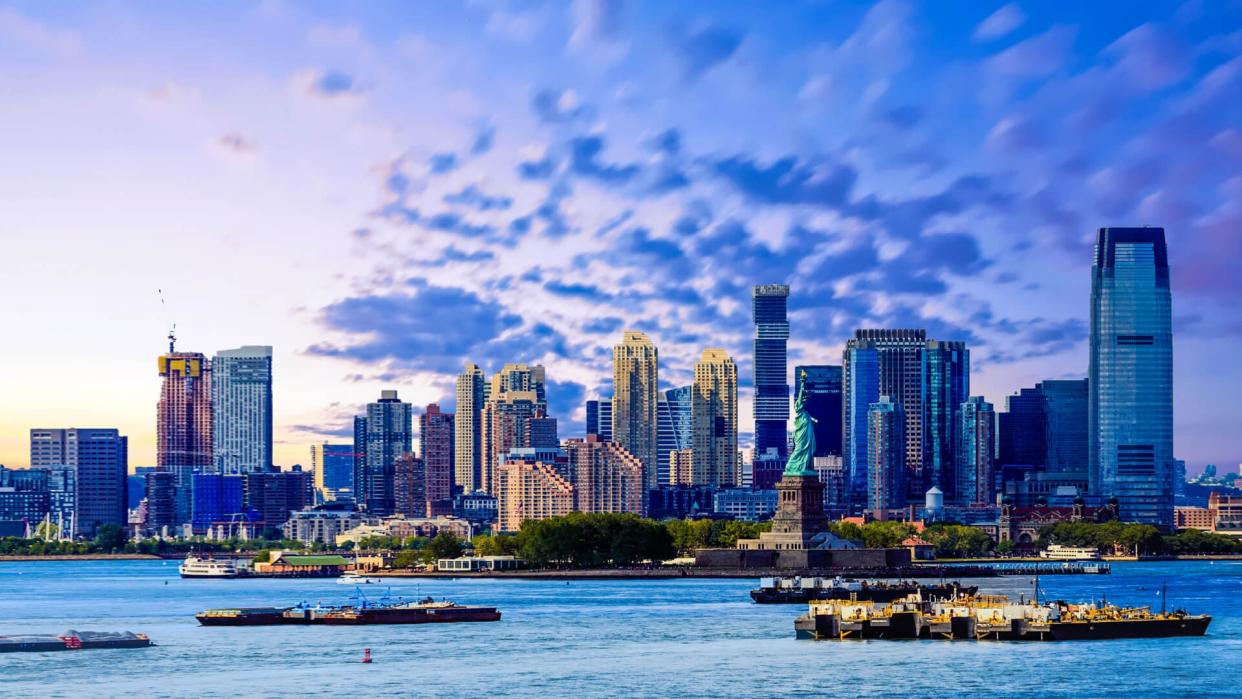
x: 521, y: 377
x: 436, y: 432
x: 607, y: 478
x: 714, y: 411
x: 468, y: 429
x: 184, y: 423
x: 334, y: 467
x: 946, y: 385
x: 975, y: 451
x: 599, y: 418
x: 1023, y: 429
x: 681, y: 467
x: 505, y: 416
x: 530, y: 490
x: 823, y: 402
x: 831, y: 472
x: 541, y: 432
x: 273, y: 495
x: 886, y: 457
x: 771, y: 368
x: 1131, y: 374
x: 99, y: 459
x: 389, y: 434
x: 218, y: 497
x: 861, y: 388
x: 409, y: 485
x: 635, y: 384
x: 161, y: 500
x: 1066, y: 426
x: 62, y: 490
x: 674, y: 428
x: 241, y: 404
x: 24, y: 496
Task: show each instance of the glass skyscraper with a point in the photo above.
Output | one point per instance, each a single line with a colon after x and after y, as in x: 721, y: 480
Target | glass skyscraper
x: 976, y: 440
x: 771, y: 368
x: 1131, y: 374
x: 389, y: 432
x: 823, y: 402
x: 676, y: 423
x: 241, y: 406
x: 946, y: 386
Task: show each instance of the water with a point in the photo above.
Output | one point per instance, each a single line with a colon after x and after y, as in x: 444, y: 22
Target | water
x: 684, y: 638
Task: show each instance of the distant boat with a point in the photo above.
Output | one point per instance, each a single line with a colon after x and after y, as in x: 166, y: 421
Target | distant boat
x: 353, y: 579
x: 198, y: 567
x: 1071, y: 553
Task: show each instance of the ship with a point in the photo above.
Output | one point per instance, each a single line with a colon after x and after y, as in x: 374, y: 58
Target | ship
x: 802, y: 590
x: 1070, y: 553
x: 425, y: 611
x: 73, y: 640
x: 991, y: 618
x: 204, y: 567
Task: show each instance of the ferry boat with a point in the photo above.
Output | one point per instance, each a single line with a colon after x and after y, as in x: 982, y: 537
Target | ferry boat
x: 204, y: 567
x: 991, y: 617
x: 802, y: 590
x: 355, y: 579
x: 425, y: 611
x: 1057, y: 552
x: 73, y: 640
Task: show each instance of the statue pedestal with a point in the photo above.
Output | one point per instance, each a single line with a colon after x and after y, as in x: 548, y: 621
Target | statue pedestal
x: 799, y: 515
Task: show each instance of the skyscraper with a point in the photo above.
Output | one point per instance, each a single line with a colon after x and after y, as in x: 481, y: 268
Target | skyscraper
x: 528, y: 489
x: 975, y: 455
x: 1023, y: 428
x: 607, y: 478
x: 334, y: 468
x: 946, y: 385
x: 675, y: 427
x: 409, y: 486
x: 714, y: 414
x: 823, y: 402
x: 516, y: 396
x: 468, y: 429
x: 1131, y: 374
x: 771, y: 367
x: 635, y: 382
x: 436, y: 441
x: 241, y: 403
x: 184, y: 423
x: 1066, y: 431
x: 99, y: 461
x: 389, y: 434
x: 599, y: 418
x: 886, y: 460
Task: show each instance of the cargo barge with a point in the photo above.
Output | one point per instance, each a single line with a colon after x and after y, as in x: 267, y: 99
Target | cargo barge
x: 991, y: 618
x: 73, y: 640
x: 426, y: 611
x: 801, y: 590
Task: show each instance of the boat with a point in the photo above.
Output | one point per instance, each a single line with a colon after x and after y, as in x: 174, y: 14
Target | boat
x: 360, y: 611
x: 991, y: 618
x: 73, y: 640
x: 355, y: 579
x: 800, y: 590
x: 205, y: 567
x: 1058, y: 552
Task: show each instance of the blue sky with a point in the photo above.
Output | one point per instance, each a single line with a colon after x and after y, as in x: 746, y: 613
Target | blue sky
x: 384, y: 191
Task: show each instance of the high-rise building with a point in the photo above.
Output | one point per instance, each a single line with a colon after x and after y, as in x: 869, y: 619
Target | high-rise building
x: 99, y: 459
x: 334, y: 467
x: 161, y: 500
x: 184, y: 423
x: 675, y: 428
x: 436, y: 432
x: 771, y: 367
x: 714, y: 412
x: 528, y: 489
x: 1131, y: 374
x: 389, y: 434
x: 823, y: 402
x: 946, y: 385
x: 468, y: 429
x: 635, y: 383
x: 541, y: 432
x: 681, y: 467
x: 273, y: 495
x: 886, y: 457
x: 599, y: 418
x: 1066, y: 426
x: 24, y: 496
x: 241, y: 404
x: 1022, y: 429
x: 505, y: 418
x: 409, y: 486
x: 607, y: 478
x: 218, y: 497
x: 975, y: 455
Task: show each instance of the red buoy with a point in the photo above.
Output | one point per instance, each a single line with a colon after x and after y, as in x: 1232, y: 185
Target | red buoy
x: 366, y: 655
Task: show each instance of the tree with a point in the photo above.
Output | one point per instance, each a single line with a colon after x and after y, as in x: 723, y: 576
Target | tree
x: 444, y: 545
x: 1005, y: 547
x: 407, y: 558
x: 110, y: 538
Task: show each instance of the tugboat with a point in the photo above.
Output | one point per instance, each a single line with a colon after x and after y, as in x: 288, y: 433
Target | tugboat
x: 803, y: 590
x: 361, y: 611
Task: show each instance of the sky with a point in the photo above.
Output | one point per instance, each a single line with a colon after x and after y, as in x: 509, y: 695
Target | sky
x: 384, y: 191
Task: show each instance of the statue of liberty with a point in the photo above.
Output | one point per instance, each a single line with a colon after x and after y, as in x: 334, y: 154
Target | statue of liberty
x: 801, y: 459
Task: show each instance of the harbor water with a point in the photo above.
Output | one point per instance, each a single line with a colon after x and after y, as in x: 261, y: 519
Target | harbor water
x: 623, y: 638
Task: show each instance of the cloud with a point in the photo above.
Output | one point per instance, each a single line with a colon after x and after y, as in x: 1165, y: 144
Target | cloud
x: 1149, y: 57
x: 330, y: 84
x: 1000, y: 23
x: 237, y: 144
x: 703, y: 47
x: 558, y: 106
x: 789, y: 180
x: 1013, y: 134
x: 584, y: 160
x: 596, y: 21
x: 1037, y: 57
x: 33, y: 34
x: 474, y: 198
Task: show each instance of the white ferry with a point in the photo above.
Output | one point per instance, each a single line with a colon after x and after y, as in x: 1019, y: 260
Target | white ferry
x: 1070, y: 553
x: 355, y: 579
x: 197, y: 567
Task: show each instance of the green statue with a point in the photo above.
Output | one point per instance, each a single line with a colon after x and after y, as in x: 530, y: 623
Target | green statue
x: 800, y: 460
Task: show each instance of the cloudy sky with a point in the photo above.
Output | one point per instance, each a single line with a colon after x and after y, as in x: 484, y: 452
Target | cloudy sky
x: 384, y: 191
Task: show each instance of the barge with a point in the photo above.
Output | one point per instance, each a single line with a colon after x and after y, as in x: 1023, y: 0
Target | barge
x: 426, y: 611
x: 73, y: 640
x: 991, y: 618
x: 801, y: 590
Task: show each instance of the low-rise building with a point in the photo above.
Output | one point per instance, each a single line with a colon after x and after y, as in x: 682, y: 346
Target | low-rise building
x: 474, y: 564
x: 404, y: 527
x: 1193, y: 518
x: 745, y: 504
x: 321, y: 526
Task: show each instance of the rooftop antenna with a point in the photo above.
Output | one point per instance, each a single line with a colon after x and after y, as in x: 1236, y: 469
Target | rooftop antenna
x: 172, y: 333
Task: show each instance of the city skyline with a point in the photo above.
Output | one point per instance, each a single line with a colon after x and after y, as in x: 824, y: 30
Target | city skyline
x: 377, y: 247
